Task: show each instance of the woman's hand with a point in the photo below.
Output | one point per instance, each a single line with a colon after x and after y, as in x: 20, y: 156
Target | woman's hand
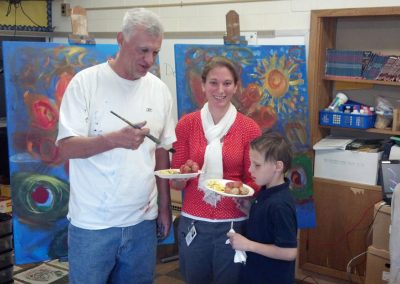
x: 178, y: 184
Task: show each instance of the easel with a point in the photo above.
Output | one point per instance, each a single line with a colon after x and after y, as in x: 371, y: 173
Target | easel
x: 80, y: 33
x: 233, y: 29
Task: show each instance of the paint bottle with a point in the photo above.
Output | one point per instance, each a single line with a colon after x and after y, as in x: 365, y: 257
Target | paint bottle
x: 371, y: 110
x: 356, y: 109
x: 340, y: 99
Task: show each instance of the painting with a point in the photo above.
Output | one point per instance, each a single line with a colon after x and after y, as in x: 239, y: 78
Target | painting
x: 26, y: 16
x: 36, y: 76
x: 272, y: 91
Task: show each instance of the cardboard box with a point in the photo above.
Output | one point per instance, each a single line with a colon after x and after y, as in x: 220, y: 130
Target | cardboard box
x: 381, y: 226
x: 5, y: 204
x: 344, y: 165
x: 5, y: 190
x: 378, y: 266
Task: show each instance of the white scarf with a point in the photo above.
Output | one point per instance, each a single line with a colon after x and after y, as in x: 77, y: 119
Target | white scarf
x: 212, y: 167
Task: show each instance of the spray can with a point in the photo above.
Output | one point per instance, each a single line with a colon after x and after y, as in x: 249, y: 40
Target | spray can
x: 340, y: 99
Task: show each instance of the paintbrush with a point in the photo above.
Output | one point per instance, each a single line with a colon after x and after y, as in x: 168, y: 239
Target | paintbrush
x: 151, y: 137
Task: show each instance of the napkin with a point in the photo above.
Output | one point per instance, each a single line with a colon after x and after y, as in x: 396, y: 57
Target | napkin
x: 240, y: 255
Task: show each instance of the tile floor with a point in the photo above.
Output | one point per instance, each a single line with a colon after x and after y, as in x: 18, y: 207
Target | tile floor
x: 56, y: 272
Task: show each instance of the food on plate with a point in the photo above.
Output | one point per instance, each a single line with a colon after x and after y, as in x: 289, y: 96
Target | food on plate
x: 169, y: 172
x: 189, y: 167
x: 244, y: 190
x: 231, y: 187
x: 216, y: 185
x: 236, y: 187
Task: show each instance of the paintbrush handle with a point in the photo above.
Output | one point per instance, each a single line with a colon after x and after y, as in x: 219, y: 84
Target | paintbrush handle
x: 151, y: 137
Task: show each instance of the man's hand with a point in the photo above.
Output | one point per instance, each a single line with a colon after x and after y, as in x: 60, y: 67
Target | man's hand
x: 128, y: 137
x: 74, y: 147
x: 164, y: 221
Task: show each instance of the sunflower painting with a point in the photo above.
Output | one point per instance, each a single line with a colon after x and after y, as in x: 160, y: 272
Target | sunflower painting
x: 272, y: 91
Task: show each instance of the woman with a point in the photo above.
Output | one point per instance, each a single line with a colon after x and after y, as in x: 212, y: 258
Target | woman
x: 217, y: 137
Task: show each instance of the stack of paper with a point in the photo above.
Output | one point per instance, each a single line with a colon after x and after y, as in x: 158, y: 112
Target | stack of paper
x: 331, y: 143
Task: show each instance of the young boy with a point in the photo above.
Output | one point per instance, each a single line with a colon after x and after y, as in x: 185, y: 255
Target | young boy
x: 271, y: 233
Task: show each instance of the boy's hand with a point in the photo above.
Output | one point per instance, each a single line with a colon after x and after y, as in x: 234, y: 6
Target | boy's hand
x: 238, y: 242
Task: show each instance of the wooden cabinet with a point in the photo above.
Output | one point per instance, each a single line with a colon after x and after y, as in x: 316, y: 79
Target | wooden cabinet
x: 344, y: 211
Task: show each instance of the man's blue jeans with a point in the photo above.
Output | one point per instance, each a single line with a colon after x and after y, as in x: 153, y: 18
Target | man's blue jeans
x: 117, y: 255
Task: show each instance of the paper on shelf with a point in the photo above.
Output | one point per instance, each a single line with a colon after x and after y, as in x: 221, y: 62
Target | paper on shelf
x: 330, y: 143
x: 394, y: 153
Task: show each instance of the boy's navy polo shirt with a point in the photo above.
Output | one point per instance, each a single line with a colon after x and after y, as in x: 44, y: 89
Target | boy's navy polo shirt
x: 272, y: 220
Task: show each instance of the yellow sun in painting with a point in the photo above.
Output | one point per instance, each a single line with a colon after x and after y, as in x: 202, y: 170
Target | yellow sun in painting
x: 276, y: 83
x: 280, y: 81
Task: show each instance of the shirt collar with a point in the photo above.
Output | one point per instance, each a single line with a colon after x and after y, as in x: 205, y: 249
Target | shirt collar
x: 267, y: 192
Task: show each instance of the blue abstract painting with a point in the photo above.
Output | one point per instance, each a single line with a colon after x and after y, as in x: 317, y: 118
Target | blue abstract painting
x: 36, y: 76
x: 272, y: 91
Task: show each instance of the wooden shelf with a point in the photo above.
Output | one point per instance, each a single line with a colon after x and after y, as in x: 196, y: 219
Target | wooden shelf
x: 386, y: 131
x: 340, y: 227
x: 361, y: 81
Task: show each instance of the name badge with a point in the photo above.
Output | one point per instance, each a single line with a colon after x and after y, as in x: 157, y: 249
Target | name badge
x: 191, y: 235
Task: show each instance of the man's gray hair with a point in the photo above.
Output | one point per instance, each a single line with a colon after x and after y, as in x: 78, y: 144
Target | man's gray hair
x: 140, y: 17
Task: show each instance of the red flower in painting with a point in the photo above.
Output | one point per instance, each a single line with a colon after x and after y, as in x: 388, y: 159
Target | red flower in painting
x: 265, y: 116
x: 251, y: 95
x: 61, y: 85
x: 197, y: 94
x: 44, y: 114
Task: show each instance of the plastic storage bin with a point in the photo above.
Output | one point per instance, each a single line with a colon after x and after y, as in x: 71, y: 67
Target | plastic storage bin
x: 6, y: 274
x: 6, y: 259
x: 5, y: 224
x: 349, y: 120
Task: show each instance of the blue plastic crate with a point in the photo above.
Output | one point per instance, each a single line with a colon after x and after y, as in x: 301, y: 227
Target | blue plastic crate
x: 348, y: 120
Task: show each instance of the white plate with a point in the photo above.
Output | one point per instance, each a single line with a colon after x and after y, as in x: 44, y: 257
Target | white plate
x: 222, y: 182
x: 175, y: 174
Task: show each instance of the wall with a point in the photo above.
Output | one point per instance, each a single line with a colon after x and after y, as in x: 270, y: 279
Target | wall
x: 281, y: 16
x: 199, y: 21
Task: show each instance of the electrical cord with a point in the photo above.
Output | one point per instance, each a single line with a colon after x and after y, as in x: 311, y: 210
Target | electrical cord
x: 350, y: 229
x: 8, y: 9
x: 26, y: 15
x: 348, y: 267
x: 370, y: 227
x: 15, y: 19
x: 18, y: 4
x: 368, y: 232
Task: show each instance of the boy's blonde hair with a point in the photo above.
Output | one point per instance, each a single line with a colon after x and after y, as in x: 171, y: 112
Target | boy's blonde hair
x: 274, y: 147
